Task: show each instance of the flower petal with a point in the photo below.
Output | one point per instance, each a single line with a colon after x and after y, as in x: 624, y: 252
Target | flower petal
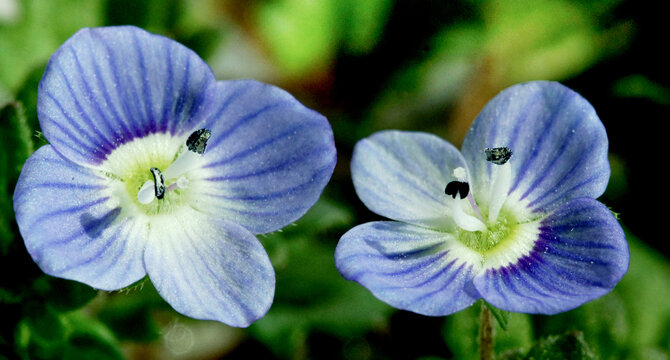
x: 559, y: 144
x: 105, y: 86
x: 579, y: 255
x: 72, y: 226
x: 209, y: 269
x: 402, y: 176
x: 409, y: 267
x: 268, y: 158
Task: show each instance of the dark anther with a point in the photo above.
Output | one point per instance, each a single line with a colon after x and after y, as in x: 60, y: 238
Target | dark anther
x: 197, y: 142
x: 499, y: 155
x: 457, y: 187
x: 159, y: 182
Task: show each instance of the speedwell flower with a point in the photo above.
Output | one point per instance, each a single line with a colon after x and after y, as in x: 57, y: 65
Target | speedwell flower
x: 511, y: 219
x: 155, y: 168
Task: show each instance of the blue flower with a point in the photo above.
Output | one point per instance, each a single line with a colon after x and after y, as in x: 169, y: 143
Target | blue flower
x: 518, y: 226
x: 155, y: 168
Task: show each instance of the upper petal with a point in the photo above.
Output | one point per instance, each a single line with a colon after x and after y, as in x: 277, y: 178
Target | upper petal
x: 208, y: 268
x: 105, y: 86
x: 558, y: 142
x: 409, y: 267
x: 580, y: 254
x: 72, y: 225
x: 402, y: 176
x: 268, y: 159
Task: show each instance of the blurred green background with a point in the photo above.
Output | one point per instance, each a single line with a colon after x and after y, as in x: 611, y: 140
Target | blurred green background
x: 367, y: 65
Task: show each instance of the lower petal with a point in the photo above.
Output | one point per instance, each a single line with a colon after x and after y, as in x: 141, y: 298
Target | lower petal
x: 209, y: 269
x: 579, y: 255
x: 73, y: 227
x: 409, y: 267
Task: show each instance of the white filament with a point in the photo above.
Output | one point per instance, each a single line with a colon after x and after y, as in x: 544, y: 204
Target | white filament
x: 501, y: 180
x: 465, y: 221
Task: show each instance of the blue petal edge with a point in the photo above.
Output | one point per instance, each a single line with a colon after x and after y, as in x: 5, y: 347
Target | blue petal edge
x: 106, y: 86
x: 402, y: 176
x: 269, y: 157
x: 408, y: 267
x: 580, y: 255
x: 210, y: 269
x: 558, y: 142
x: 72, y: 227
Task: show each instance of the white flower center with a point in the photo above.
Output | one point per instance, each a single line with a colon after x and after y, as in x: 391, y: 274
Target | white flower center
x: 173, y: 178
x: 475, y: 230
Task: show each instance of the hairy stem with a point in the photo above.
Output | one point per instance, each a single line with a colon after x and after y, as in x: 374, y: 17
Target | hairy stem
x: 485, y: 334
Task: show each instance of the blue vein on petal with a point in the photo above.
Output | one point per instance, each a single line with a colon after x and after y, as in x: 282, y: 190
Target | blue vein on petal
x: 180, y: 264
x: 401, y: 175
x: 249, y: 117
x: 237, y: 301
x: 285, y: 192
x: 68, y: 134
x: 93, y: 104
x: 67, y: 185
x: 106, y: 94
x: 447, y: 282
x: 519, y: 124
x: 419, y: 265
x: 106, y: 245
x: 111, y: 55
x: 68, y: 210
x: 168, y: 102
x: 538, y: 145
x: 556, y: 157
x: 272, y: 169
x: 107, y: 146
x: 259, y: 146
x: 527, y: 272
x: 537, y: 274
x: 568, y: 175
x: 146, y: 88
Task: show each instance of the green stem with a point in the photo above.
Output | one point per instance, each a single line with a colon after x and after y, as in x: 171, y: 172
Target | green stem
x: 485, y: 334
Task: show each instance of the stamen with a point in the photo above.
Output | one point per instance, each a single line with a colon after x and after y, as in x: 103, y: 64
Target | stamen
x: 498, y: 155
x: 457, y: 187
x: 159, y: 182
x: 196, y: 144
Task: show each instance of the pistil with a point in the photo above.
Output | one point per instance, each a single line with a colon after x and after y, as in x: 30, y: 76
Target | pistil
x: 501, y: 180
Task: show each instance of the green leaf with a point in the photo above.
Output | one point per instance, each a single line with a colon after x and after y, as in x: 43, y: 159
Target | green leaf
x: 311, y: 295
x: 67, y: 295
x: 301, y: 35
x: 631, y: 319
x: 569, y: 346
x: 89, y: 339
x: 129, y: 317
x: 501, y: 316
x: 15, y: 135
x: 41, y: 28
